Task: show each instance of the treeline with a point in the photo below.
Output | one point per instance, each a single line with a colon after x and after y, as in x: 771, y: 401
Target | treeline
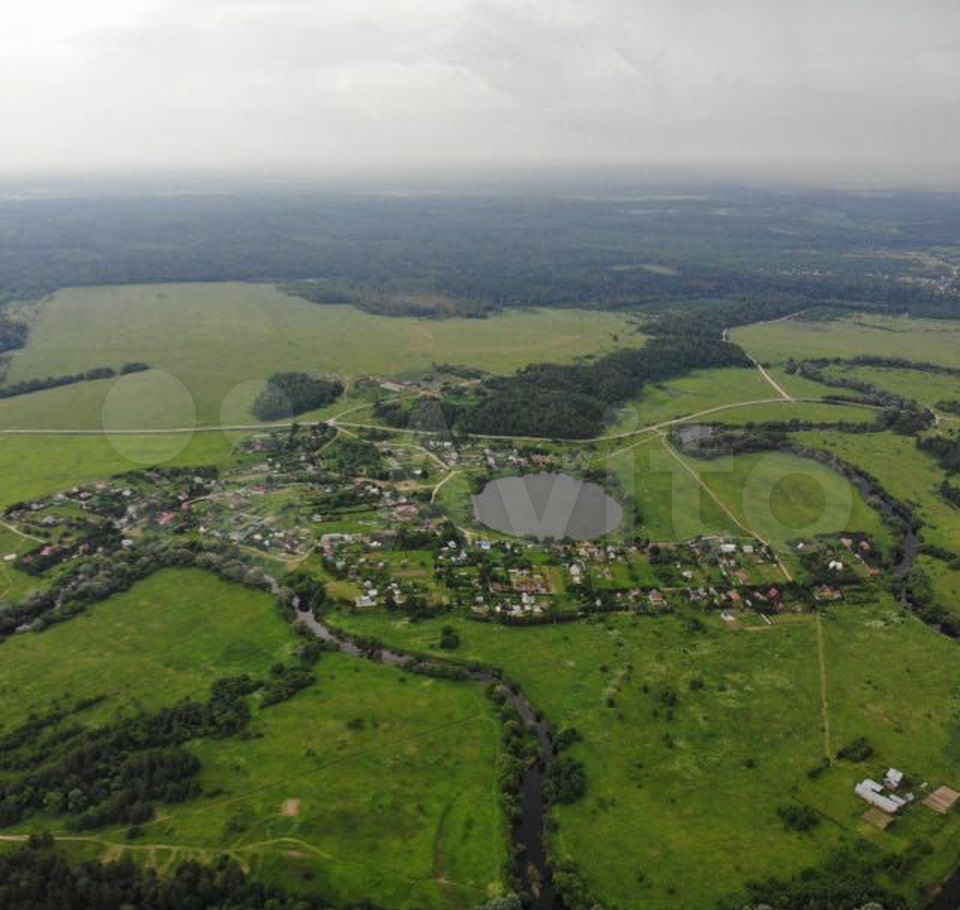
x: 90, y: 580
x: 114, y: 774
x: 899, y: 415
x: 388, y: 303
x: 13, y: 335
x: 117, y: 773
x: 37, y: 877
x: 849, y: 880
x: 53, y: 382
x: 944, y: 449
x: 573, y: 402
x: 289, y: 394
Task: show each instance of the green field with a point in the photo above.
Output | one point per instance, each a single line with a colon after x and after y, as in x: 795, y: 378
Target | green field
x: 945, y: 581
x: 774, y: 495
x: 672, y: 505
x: 394, y: 773
x: 812, y: 411
x: 33, y: 466
x: 14, y: 585
x: 781, y: 497
x: 915, y: 385
x: 904, y: 471
x: 167, y: 638
x: 256, y: 330
x: 396, y: 778
x: 686, y: 395
x: 931, y: 340
x: 682, y: 809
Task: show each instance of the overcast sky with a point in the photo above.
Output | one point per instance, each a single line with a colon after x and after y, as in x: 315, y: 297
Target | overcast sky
x: 846, y: 87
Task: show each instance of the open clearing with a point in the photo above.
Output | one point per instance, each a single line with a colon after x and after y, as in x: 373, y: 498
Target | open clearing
x: 932, y: 340
x: 214, y: 337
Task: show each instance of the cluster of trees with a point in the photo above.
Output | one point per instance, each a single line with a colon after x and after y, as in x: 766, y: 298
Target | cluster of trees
x: 857, y: 750
x: 566, y: 780
x: 13, y: 335
x: 869, y: 393
x: 949, y: 405
x: 383, y: 302
x: 285, y: 682
x: 849, y: 880
x: 449, y: 638
x: 289, y: 394
x: 907, y: 420
x: 519, y: 749
x: 352, y: 457
x: 114, y: 774
x: 424, y: 414
x: 924, y: 602
x: 310, y: 594
x: 945, y: 449
x: 53, y: 382
x: 798, y: 817
x: 37, y: 877
x: 573, y: 402
x: 95, y: 578
x: 950, y: 493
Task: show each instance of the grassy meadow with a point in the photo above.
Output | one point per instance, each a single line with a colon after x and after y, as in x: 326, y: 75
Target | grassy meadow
x: 782, y: 497
x: 683, y: 794
x: 392, y: 776
x: 904, y: 471
x: 926, y: 388
x: 686, y: 395
x: 221, y: 340
x: 33, y: 466
x: 774, y: 495
x: 167, y: 638
x: 932, y: 340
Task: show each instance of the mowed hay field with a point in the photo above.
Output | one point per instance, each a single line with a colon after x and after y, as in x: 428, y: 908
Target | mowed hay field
x: 684, y: 788
x: 931, y: 340
x: 215, y: 337
x: 370, y: 785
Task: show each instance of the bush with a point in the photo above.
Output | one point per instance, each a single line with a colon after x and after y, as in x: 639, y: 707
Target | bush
x: 798, y: 817
x: 856, y: 751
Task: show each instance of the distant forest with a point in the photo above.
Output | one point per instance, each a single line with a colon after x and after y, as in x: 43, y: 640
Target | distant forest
x: 436, y: 254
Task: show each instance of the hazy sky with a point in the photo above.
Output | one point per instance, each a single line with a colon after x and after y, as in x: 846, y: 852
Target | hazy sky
x: 854, y: 86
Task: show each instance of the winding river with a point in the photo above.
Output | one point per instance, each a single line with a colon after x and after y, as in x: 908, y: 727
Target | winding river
x: 528, y: 833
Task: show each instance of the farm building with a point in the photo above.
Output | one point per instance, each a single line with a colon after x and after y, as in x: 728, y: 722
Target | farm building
x: 871, y: 791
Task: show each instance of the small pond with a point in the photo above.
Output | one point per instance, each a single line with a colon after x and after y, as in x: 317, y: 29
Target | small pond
x: 547, y: 505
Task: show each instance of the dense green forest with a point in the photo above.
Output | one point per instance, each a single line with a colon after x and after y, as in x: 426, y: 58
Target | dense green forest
x: 622, y: 245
